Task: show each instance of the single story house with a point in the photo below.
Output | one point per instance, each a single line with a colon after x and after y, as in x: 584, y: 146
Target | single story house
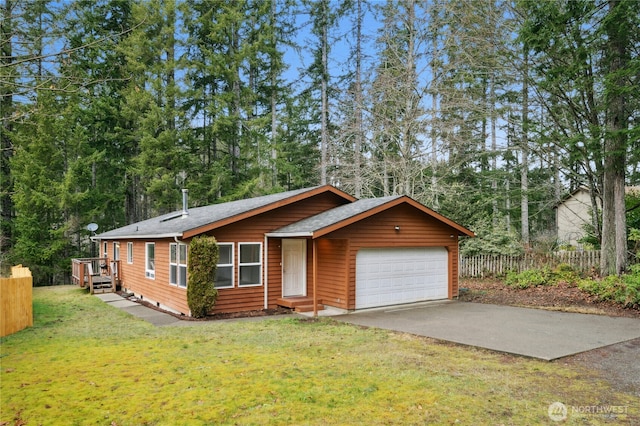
x: 317, y: 246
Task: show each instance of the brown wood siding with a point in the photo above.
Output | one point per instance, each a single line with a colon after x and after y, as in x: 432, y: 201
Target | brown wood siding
x: 275, y: 271
x: 333, y: 272
x: 249, y: 230
x: 336, y: 255
x: 416, y: 230
x: 252, y: 230
x: 157, y: 290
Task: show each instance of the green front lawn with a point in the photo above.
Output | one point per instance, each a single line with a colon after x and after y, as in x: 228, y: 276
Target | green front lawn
x: 85, y: 362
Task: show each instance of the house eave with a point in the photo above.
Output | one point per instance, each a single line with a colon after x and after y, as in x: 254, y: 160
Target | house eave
x: 289, y: 234
x: 137, y: 237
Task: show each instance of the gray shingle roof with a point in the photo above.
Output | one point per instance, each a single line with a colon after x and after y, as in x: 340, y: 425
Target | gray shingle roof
x: 174, y: 224
x: 333, y: 216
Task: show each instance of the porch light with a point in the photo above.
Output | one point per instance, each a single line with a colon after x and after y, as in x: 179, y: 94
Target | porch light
x: 397, y: 228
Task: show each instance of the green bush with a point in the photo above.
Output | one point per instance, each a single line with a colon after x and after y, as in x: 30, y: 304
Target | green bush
x: 624, y: 289
x: 565, y: 273
x: 529, y: 278
x: 545, y: 276
x: 203, y: 261
x: 491, y: 239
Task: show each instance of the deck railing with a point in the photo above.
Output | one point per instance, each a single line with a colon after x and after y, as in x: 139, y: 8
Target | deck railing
x: 89, y: 270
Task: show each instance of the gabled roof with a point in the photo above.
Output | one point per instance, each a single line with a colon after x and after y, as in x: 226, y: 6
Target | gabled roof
x: 339, y: 217
x: 203, y: 219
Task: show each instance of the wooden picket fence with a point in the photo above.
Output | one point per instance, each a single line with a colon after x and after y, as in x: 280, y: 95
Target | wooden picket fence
x: 498, y: 265
x: 16, y: 307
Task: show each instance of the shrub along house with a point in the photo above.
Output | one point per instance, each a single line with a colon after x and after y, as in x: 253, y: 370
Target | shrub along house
x: 303, y: 248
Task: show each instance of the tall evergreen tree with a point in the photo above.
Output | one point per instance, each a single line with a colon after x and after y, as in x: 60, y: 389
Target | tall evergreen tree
x: 156, y: 130
x: 398, y: 99
x: 585, y: 70
x: 7, y: 84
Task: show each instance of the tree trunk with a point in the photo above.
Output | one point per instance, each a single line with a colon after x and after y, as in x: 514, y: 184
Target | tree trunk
x: 274, y: 98
x: 614, y: 225
x: 324, y: 137
x: 524, y: 149
x: 357, y: 147
x: 410, y: 104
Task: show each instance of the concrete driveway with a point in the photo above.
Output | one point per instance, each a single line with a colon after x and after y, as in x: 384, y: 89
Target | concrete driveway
x: 535, y: 333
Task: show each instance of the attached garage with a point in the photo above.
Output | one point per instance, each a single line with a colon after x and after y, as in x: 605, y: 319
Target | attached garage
x: 377, y: 252
x: 393, y: 276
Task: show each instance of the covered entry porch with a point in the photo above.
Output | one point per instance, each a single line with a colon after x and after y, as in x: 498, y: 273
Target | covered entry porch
x: 296, y: 293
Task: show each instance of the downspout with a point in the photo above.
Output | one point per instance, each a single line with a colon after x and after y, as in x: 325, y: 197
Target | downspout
x: 315, y: 278
x: 266, y: 272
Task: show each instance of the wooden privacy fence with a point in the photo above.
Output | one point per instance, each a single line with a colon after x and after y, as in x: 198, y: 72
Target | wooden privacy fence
x: 16, y: 307
x: 496, y: 265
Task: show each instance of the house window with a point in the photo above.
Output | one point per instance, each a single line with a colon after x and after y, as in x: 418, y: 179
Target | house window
x: 105, y: 246
x: 116, y: 251
x: 182, y: 265
x: 129, y: 252
x: 178, y: 264
x: 150, y: 260
x: 224, y: 271
x: 250, y: 265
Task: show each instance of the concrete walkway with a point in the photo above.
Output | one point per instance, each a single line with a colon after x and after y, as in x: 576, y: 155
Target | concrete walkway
x: 160, y: 318
x: 153, y: 316
x: 534, y: 333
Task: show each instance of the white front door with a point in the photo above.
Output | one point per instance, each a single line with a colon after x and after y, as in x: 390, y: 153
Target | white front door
x: 294, y: 267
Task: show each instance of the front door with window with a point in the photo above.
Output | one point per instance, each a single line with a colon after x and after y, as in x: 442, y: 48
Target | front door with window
x: 294, y: 268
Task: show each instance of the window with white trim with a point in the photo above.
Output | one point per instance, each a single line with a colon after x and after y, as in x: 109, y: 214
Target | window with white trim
x: 249, y: 264
x: 105, y: 250
x: 224, y: 271
x: 116, y: 251
x: 150, y: 260
x: 129, y: 252
x: 178, y: 264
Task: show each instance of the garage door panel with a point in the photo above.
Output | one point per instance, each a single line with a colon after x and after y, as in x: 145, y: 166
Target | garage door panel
x: 391, y: 276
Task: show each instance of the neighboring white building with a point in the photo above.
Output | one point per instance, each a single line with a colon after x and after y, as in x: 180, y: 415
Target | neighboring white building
x: 572, y: 214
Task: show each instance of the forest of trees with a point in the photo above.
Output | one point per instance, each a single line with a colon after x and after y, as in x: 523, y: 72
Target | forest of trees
x: 488, y: 111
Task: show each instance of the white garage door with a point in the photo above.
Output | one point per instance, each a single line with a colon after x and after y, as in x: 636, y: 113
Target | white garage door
x: 392, y: 276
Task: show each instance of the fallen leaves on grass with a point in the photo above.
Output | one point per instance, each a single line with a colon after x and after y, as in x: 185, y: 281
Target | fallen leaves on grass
x: 562, y: 296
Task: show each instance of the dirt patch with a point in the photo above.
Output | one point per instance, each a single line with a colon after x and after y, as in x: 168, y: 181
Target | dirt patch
x: 617, y: 364
x: 562, y: 297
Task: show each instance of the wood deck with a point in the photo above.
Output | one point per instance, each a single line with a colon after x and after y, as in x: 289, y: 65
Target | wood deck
x: 99, y: 275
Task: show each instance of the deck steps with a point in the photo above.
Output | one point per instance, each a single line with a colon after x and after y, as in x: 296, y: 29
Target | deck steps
x: 307, y: 308
x: 102, y: 284
x: 299, y: 304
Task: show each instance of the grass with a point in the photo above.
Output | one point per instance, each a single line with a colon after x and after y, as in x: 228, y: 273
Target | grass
x: 85, y: 362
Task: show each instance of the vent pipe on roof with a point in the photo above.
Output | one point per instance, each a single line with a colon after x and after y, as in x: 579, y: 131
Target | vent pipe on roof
x: 185, y: 211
